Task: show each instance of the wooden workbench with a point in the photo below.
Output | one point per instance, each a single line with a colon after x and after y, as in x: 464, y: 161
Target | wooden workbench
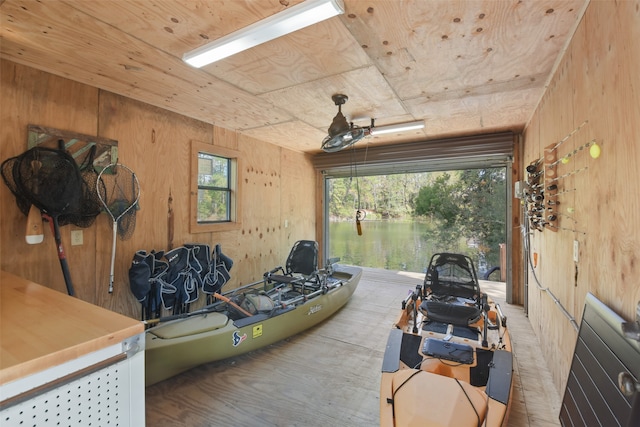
x: 41, y: 328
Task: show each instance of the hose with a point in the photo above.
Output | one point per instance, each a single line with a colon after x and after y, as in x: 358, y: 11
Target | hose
x: 525, y: 239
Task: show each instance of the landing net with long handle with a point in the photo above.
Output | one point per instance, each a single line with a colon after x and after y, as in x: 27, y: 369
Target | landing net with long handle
x: 51, y: 180
x: 118, y: 190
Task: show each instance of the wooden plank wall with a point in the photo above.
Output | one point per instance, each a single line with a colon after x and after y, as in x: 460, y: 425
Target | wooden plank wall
x: 276, y: 185
x: 596, y: 85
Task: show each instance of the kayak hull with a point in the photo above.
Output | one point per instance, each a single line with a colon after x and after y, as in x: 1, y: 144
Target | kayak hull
x: 179, y: 345
x: 448, y: 359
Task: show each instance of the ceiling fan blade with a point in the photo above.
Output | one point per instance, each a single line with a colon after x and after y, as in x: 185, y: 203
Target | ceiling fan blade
x: 345, y: 139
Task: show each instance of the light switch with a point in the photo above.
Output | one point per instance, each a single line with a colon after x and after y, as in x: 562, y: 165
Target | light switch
x: 76, y: 237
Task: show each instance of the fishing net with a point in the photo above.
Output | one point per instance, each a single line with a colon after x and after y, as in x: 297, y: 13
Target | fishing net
x: 91, y: 205
x: 52, y: 181
x: 118, y: 190
x: 7, y: 175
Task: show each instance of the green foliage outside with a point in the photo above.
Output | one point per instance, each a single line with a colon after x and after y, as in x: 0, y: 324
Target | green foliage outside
x: 468, y: 205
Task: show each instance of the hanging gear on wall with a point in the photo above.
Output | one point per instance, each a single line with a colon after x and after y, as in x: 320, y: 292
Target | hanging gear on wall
x: 172, y: 280
x: 119, y: 191
x: 51, y: 180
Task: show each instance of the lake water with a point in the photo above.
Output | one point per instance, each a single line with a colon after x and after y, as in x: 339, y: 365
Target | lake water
x: 391, y: 245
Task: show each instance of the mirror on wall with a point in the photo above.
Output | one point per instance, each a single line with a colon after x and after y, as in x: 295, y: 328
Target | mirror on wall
x: 78, y: 145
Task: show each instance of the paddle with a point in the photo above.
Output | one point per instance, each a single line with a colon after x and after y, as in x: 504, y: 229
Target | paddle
x: 233, y: 304
x: 151, y: 322
x: 198, y: 312
x: 35, y: 232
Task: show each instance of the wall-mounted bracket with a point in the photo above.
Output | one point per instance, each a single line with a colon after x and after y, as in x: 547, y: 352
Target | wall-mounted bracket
x: 632, y: 329
x: 551, y: 187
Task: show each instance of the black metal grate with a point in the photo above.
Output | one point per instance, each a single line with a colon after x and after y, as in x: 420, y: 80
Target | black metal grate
x: 592, y: 396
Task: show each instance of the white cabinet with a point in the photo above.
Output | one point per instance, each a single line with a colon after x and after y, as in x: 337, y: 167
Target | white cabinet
x: 55, y: 374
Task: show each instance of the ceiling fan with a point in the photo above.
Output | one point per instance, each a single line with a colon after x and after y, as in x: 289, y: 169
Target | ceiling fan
x: 342, y: 134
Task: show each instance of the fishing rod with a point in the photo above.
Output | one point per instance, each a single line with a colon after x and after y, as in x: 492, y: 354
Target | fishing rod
x: 569, y: 135
x: 565, y: 158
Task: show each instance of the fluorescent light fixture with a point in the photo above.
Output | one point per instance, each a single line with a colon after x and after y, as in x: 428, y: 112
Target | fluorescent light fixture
x: 289, y: 20
x: 400, y: 127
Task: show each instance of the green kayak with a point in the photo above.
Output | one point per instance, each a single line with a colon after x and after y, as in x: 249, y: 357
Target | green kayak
x: 246, y: 319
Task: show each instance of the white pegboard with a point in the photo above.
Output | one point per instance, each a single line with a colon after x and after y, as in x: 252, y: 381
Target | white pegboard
x: 104, y: 388
x: 98, y: 399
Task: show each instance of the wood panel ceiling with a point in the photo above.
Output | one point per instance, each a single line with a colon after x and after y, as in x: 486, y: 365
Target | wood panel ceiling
x: 464, y: 67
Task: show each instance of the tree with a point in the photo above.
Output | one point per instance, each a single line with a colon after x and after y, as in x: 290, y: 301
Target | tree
x: 385, y: 196
x: 436, y: 202
x: 482, y: 203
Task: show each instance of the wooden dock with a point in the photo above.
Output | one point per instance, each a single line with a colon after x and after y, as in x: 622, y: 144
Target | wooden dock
x: 330, y: 375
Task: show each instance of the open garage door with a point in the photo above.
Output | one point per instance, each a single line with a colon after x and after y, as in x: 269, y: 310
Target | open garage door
x: 461, y: 153
x: 470, y: 152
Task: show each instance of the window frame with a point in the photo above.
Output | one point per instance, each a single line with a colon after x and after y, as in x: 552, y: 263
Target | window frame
x: 233, y: 156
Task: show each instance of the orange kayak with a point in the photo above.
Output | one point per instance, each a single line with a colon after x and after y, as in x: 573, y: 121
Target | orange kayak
x: 448, y: 359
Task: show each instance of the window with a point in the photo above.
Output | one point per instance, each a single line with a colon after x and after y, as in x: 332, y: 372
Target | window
x: 214, y: 188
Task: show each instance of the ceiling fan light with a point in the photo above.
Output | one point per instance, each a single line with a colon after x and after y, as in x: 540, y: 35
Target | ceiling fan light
x: 282, y: 23
x: 400, y: 127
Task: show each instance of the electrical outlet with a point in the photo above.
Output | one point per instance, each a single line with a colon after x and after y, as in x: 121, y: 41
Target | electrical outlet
x: 518, y: 190
x: 576, y: 251
x: 76, y: 237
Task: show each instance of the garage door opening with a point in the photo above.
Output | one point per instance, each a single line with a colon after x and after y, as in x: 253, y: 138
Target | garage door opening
x: 405, y: 218
x: 462, y: 154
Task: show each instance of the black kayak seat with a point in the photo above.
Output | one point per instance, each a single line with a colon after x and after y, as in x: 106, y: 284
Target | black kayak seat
x: 301, y: 267
x: 454, y: 314
x: 451, y: 274
x: 278, y: 278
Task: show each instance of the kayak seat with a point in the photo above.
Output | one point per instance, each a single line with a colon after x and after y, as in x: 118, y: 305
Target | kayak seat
x: 462, y: 331
x: 301, y: 268
x: 455, y: 314
x: 452, y: 274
